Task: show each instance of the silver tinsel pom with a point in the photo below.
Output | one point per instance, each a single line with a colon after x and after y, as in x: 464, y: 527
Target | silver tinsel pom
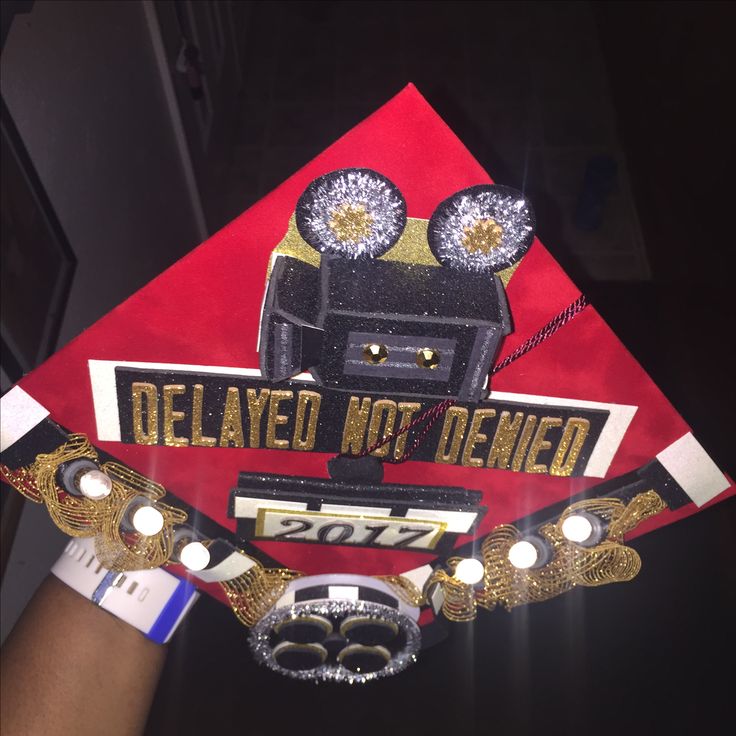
x: 354, y: 213
x: 505, y: 212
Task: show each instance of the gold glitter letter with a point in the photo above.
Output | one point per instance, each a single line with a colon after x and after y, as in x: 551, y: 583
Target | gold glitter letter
x: 355, y: 423
x: 313, y: 400
x: 256, y: 404
x: 504, y: 439
x: 573, y: 439
x: 475, y: 437
x: 539, y: 444
x: 407, y: 410
x: 232, y: 420
x: 381, y: 407
x: 198, y: 439
x: 149, y: 435
x: 526, y: 434
x: 456, y: 419
x: 171, y: 416
x: 274, y: 419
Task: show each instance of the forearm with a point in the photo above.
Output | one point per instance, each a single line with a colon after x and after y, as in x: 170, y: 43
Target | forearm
x: 69, y: 667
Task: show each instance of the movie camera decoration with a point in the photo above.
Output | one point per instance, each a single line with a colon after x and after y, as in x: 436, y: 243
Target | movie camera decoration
x: 363, y: 321
x: 377, y: 337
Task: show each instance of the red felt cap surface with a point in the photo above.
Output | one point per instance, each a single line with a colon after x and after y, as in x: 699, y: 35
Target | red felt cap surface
x: 205, y: 309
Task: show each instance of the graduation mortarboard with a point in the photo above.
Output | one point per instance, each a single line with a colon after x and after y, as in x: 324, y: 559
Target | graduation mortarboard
x: 372, y: 403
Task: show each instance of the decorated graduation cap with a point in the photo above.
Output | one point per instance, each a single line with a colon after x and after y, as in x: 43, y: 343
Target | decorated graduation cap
x: 371, y: 405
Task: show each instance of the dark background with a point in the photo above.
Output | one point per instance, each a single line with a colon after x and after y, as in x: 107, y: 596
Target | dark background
x: 526, y: 86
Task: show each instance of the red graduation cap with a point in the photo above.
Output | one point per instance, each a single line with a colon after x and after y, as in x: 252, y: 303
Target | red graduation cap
x: 171, y: 384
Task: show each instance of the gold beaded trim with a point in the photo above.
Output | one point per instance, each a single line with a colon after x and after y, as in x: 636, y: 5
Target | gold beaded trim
x: 254, y: 592
x: 83, y: 517
x: 571, y: 565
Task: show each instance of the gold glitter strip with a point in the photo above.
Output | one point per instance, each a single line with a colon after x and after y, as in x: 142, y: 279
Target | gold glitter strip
x: 253, y: 593
x: 78, y: 516
x: 412, y: 247
x: 404, y: 589
x: 571, y: 565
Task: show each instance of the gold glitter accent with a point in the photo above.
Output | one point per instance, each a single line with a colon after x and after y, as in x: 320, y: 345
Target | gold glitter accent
x: 526, y: 435
x: 428, y: 358
x: 275, y: 419
x: 254, y: 592
x: 312, y: 400
x: 475, y: 437
x: 571, y: 565
x: 171, y: 416
x: 351, y: 223
x: 407, y: 409
x: 118, y: 549
x: 404, y: 589
x: 198, y: 439
x: 539, y: 444
x: 149, y: 434
x: 504, y: 439
x: 456, y: 419
x: 256, y: 404
x: 381, y: 407
x: 231, y: 431
x: 356, y: 421
x: 459, y: 602
x: 482, y: 236
x: 573, y: 439
x: 78, y: 516
x: 412, y: 247
x: 374, y: 353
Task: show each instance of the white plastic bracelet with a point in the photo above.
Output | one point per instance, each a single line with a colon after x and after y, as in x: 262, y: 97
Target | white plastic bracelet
x: 153, y: 601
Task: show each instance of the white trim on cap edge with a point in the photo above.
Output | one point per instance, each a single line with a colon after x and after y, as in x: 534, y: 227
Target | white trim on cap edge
x: 19, y: 414
x: 690, y: 465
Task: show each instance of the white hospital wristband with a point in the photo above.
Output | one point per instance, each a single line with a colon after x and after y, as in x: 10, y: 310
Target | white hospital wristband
x: 153, y: 601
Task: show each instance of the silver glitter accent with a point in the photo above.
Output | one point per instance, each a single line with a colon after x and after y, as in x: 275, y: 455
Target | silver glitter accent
x: 365, y: 188
x: 333, y: 671
x: 450, y: 221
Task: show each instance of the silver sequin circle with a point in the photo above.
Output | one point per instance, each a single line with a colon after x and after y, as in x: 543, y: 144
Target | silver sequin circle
x: 508, y: 207
x: 381, y: 199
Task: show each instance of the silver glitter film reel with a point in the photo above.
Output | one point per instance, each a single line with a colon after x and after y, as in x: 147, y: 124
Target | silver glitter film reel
x: 353, y: 213
x: 337, y: 636
x: 484, y: 228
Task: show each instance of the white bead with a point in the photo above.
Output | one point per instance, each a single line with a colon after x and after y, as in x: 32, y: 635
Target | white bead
x: 469, y: 571
x: 147, y: 521
x: 94, y: 484
x: 523, y: 555
x: 577, y: 528
x: 194, y: 556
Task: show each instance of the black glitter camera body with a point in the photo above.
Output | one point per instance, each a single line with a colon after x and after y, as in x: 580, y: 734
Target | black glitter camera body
x: 360, y: 321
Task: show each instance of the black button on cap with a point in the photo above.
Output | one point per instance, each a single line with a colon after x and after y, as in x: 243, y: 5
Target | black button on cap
x: 304, y: 630
x: 334, y: 644
x: 368, y: 631
x: 299, y: 657
x: 363, y: 660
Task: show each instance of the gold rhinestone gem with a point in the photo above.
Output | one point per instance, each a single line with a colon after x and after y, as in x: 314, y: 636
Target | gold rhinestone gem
x: 351, y: 223
x: 374, y: 353
x: 428, y: 358
x: 482, y: 236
